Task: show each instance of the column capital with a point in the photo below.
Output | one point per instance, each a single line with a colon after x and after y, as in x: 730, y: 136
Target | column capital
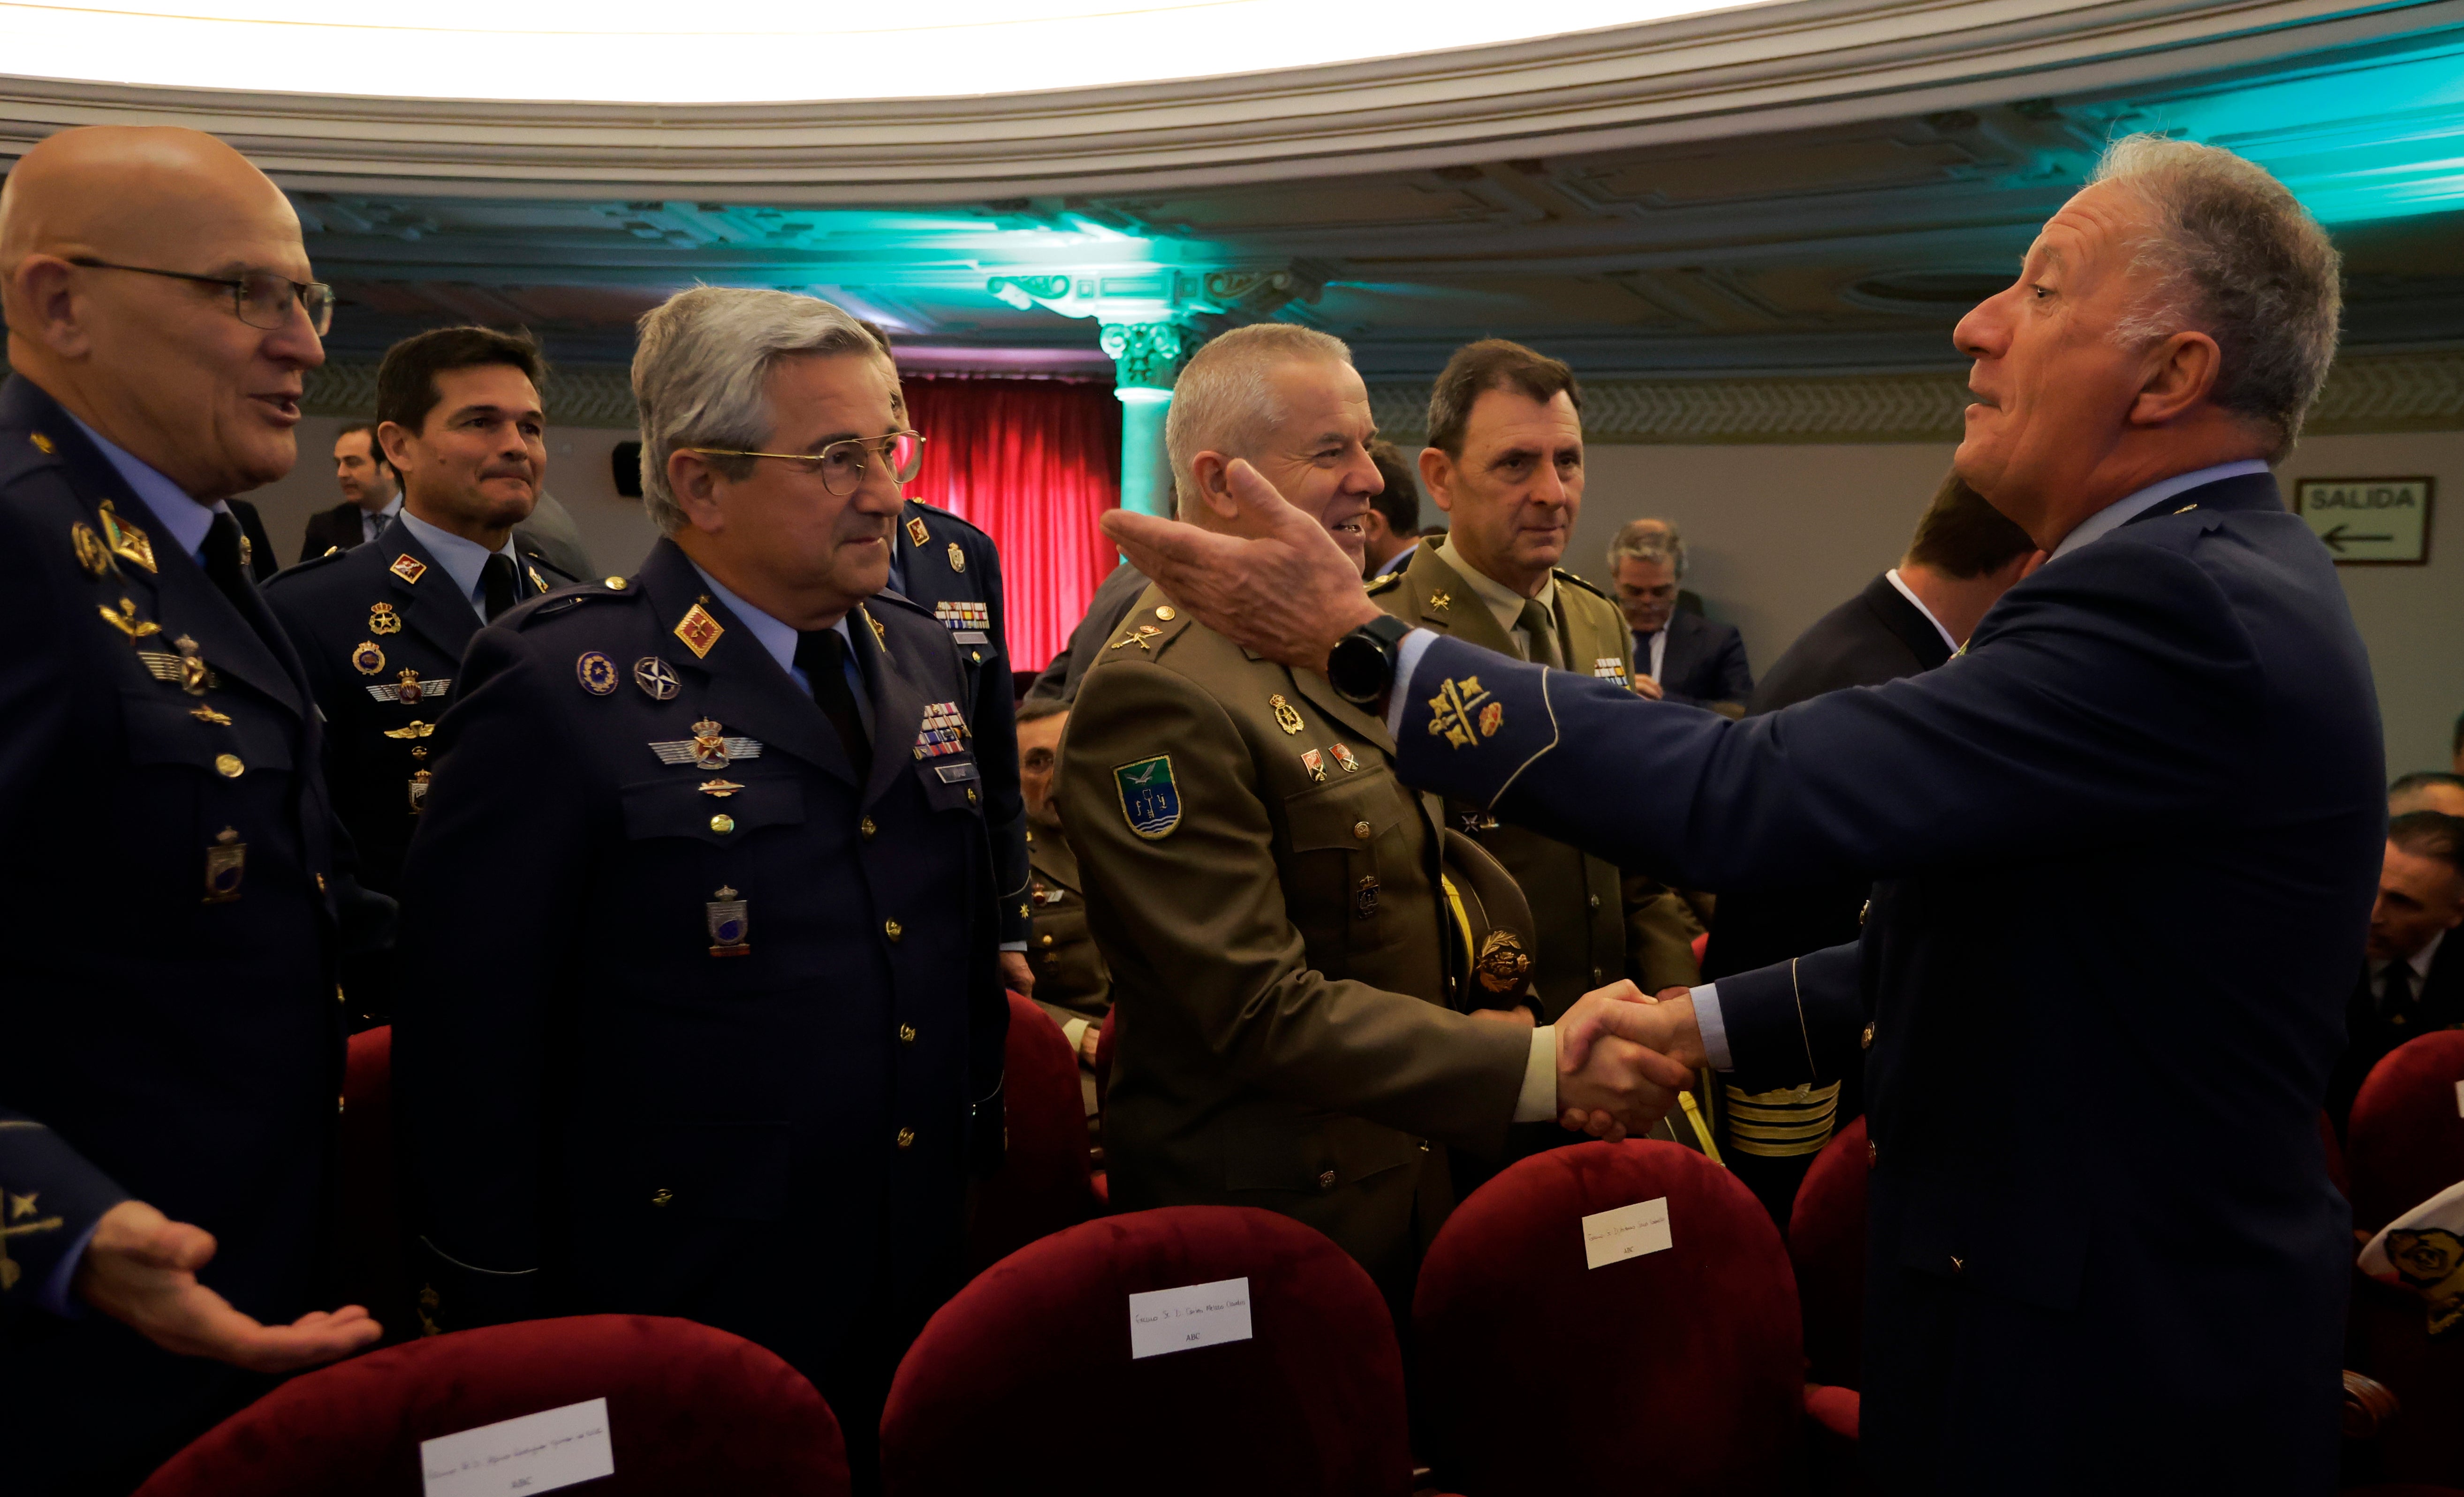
x: 1148, y: 356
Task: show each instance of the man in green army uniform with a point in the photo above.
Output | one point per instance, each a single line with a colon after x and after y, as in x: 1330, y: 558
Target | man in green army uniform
x: 1070, y: 983
x: 1267, y: 893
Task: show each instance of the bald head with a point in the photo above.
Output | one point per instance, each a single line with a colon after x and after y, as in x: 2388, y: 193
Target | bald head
x: 146, y: 346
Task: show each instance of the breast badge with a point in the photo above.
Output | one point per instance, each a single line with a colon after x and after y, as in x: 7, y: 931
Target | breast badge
x: 126, y: 541
x: 226, y: 865
x: 408, y: 567
x: 1315, y: 763
x: 729, y: 922
x: 968, y: 623
x: 408, y: 689
x: 367, y: 659
x: 1503, y: 964
x: 1364, y: 897
x: 944, y: 730
x: 1285, y: 717
x: 188, y: 670
x: 700, y: 630
x: 419, y: 792
x: 709, y: 748
x: 125, y: 620
x: 958, y: 557
x: 1150, y: 800
x: 596, y: 673
x: 915, y: 531
x: 383, y: 620
x: 656, y: 678
x: 90, y: 553
x: 43, y: 444
x: 412, y: 731
x: 538, y: 584
x: 1344, y: 755
x: 1452, y: 713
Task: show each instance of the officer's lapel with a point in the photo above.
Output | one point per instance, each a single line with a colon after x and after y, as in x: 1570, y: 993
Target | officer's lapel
x: 1322, y: 696
x: 748, y: 692
x: 1588, y: 639
x: 425, y: 597
x: 897, y: 706
x: 1450, y: 605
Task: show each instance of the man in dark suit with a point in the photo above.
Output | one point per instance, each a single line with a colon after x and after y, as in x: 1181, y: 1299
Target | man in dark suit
x: 2412, y: 970
x: 1114, y: 597
x: 1390, y: 531
x: 701, y: 1011
x: 173, y: 1049
x: 1677, y: 656
x: 381, y: 628
x: 2175, y: 712
x: 371, y: 495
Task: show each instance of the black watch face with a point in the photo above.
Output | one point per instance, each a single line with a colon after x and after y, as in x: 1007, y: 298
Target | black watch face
x: 1357, y: 668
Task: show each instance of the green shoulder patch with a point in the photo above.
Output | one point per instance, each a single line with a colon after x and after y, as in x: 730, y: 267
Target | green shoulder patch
x: 1150, y: 800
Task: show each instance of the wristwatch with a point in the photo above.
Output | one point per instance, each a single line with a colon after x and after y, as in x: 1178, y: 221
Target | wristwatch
x: 1362, y: 666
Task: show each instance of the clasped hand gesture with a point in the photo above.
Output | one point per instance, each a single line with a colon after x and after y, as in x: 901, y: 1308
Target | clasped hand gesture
x: 1623, y: 1058
x: 141, y: 1266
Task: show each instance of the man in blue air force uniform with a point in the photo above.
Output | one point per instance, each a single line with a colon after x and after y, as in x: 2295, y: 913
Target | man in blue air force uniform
x: 700, y: 1012
x: 2126, y: 843
x: 170, y: 1049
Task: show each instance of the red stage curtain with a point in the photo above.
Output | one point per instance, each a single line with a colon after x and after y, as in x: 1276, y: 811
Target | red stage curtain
x: 1032, y: 462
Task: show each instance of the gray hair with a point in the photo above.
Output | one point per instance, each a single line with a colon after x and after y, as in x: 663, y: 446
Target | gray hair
x: 1648, y: 541
x: 2235, y: 256
x: 1224, y: 402
x: 700, y: 371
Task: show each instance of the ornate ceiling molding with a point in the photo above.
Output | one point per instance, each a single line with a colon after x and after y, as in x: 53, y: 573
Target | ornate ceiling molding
x: 1771, y: 66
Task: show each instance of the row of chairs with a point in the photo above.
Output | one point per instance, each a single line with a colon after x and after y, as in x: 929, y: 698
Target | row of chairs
x: 1747, y: 1384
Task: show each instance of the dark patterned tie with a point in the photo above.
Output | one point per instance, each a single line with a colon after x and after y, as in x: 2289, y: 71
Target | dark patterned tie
x: 2395, y: 1000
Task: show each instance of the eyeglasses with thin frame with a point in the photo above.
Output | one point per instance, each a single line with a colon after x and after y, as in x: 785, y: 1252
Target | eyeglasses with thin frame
x: 259, y: 298
x: 841, y: 465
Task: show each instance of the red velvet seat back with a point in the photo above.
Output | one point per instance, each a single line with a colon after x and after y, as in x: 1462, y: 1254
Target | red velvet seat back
x: 2405, y: 1142
x: 1676, y: 1372
x: 371, y: 1247
x: 1042, y: 1184
x: 1826, y: 1243
x: 1024, y: 1382
x: 689, y: 1410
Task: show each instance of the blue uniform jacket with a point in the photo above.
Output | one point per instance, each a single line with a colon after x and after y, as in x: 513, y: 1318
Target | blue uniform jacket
x: 2128, y: 845
x: 696, y: 1034
x: 168, y: 1024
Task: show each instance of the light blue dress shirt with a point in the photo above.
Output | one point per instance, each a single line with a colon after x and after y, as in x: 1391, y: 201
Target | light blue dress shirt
x: 185, y: 518
x: 464, y: 559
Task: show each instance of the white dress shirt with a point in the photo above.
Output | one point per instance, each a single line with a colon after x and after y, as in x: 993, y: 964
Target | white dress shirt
x: 1917, y: 604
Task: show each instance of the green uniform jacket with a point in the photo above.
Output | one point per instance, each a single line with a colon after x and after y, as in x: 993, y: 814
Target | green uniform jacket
x: 1273, y: 925
x: 1070, y: 981
x: 1588, y: 936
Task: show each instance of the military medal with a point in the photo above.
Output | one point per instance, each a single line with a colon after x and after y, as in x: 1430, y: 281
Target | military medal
x: 409, y: 690
x: 1285, y: 717
x: 193, y: 675
x: 709, y: 748
x: 721, y: 788
x: 916, y: 530
x: 367, y: 659
x: 90, y: 553
x: 1364, y: 897
x: 700, y: 630
x: 944, y: 730
x: 728, y: 923
x: 958, y: 557
x: 419, y: 792
x: 656, y: 677
x: 1315, y: 763
x: 128, y: 543
x: 968, y: 623
x: 1345, y: 757
x: 596, y: 673
x: 125, y: 620
x: 226, y: 865
x: 538, y: 584
x: 408, y: 567
x: 383, y: 620
x: 209, y: 714
x: 414, y: 729
x: 1502, y: 963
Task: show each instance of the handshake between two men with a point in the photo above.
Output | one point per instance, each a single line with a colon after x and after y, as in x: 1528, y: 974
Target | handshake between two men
x: 1623, y: 1056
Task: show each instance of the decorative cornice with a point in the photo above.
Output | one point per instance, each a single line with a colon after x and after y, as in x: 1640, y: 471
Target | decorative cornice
x: 1783, y: 65
x: 2419, y: 391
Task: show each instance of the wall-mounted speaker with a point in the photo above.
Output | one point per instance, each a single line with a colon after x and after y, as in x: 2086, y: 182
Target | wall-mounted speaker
x: 626, y: 459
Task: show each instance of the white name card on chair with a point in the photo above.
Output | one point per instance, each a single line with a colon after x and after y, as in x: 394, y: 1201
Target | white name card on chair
x: 1627, y: 1232
x: 1199, y: 1314
x: 516, y: 1457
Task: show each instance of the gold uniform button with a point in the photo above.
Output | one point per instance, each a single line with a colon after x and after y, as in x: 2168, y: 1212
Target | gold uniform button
x: 662, y: 1195
x: 906, y: 1034
x: 865, y: 829
x: 722, y: 824
x: 1596, y: 901
x: 228, y: 766
x: 321, y: 883
x: 618, y: 584
x: 1865, y: 1042
x: 1363, y: 830
x: 1048, y: 939
x: 971, y: 797
x: 1166, y: 613
x: 1873, y: 1153
x: 1326, y: 1179
x: 906, y: 1139
x: 892, y: 928
x: 338, y: 1104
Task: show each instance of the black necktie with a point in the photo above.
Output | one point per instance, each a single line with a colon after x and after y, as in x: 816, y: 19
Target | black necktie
x: 821, y: 655
x: 2396, y: 999
x: 496, y: 584
x: 222, y: 562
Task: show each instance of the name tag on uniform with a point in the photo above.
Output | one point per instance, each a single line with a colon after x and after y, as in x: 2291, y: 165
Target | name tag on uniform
x: 972, y: 637
x: 953, y: 774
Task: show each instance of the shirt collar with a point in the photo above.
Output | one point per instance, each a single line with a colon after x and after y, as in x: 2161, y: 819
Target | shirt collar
x: 779, y: 639
x: 463, y: 560
x: 2121, y: 512
x: 385, y: 515
x: 1909, y: 593
x: 183, y: 517
x: 1502, y: 601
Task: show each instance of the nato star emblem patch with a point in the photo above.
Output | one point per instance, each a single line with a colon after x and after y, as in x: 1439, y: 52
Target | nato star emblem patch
x: 1150, y: 800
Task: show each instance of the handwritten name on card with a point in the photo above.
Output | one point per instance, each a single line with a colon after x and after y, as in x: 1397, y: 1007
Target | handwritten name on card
x: 534, y: 1453
x: 2459, y: 1099
x: 1200, y: 1315
x: 1627, y: 1232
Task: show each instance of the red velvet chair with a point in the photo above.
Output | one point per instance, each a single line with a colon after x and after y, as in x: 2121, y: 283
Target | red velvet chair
x: 2405, y: 1141
x: 1042, y: 1184
x: 1542, y: 1376
x: 1826, y: 1243
x: 690, y: 1409
x: 1024, y: 1382
x: 370, y: 1245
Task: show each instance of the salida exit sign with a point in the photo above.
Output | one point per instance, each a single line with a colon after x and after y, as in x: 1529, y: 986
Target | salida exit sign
x: 2369, y: 522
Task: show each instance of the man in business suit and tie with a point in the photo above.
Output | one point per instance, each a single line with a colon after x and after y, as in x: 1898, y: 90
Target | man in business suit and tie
x: 172, y: 1048
x: 2413, y: 968
x: 2104, y: 1252
x: 1679, y: 655
x: 371, y: 494
x: 1390, y: 530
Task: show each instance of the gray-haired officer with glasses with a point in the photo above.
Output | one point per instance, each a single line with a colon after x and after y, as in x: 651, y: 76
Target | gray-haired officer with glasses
x: 729, y: 1045
x: 170, y: 1049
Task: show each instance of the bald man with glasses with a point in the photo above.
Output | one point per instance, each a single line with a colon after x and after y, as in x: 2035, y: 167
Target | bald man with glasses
x: 171, y: 1048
